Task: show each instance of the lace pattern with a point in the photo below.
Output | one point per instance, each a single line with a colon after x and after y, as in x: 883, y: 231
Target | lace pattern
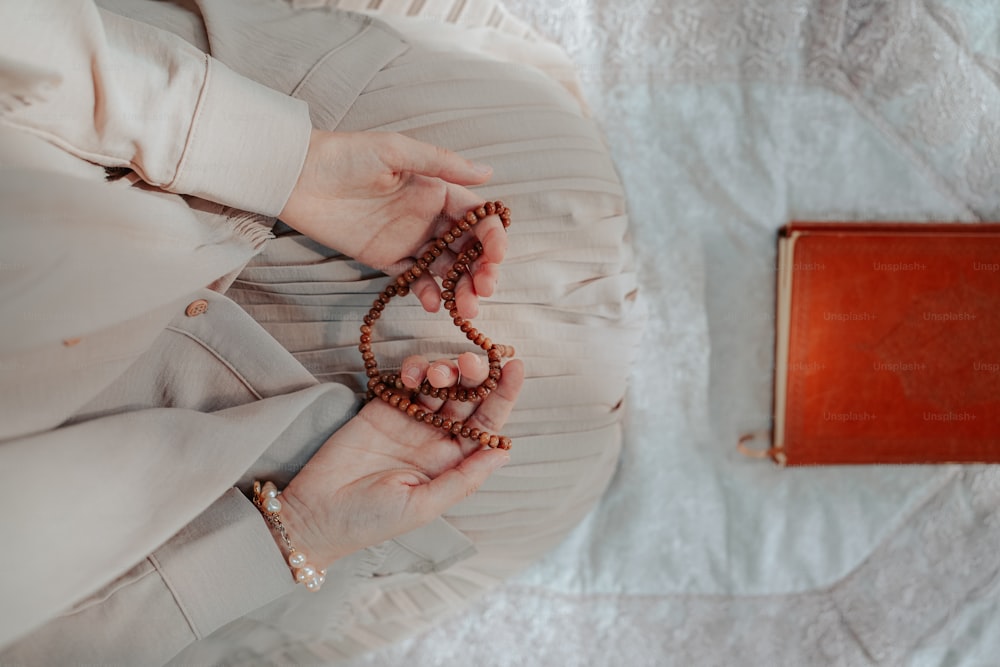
x: 908, y: 589
x: 906, y: 64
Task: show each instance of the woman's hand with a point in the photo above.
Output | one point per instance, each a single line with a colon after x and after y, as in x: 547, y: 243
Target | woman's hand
x: 383, y: 474
x: 380, y: 197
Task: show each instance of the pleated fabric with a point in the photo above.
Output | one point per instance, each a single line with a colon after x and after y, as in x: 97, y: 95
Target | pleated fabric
x: 567, y: 301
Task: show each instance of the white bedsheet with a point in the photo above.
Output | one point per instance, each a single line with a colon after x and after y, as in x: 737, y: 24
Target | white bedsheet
x: 728, y: 118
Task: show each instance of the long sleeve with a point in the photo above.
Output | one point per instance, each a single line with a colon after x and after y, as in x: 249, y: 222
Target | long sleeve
x: 119, y: 92
x: 124, y: 478
x: 218, y: 564
x: 97, y: 342
x: 127, y: 415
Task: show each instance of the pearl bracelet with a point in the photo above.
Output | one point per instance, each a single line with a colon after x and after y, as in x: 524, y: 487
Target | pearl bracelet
x: 265, y: 497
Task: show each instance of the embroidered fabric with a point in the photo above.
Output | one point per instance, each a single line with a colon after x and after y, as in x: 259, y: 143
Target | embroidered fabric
x: 727, y: 118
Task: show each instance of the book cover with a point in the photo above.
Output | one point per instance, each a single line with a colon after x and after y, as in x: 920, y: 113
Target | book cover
x: 887, y: 344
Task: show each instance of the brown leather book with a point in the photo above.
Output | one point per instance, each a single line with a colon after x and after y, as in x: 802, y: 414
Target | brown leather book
x: 887, y: 344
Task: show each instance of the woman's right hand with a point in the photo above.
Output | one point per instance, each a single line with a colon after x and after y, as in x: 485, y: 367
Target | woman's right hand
x: 379, y: 197
x: 383, y: 473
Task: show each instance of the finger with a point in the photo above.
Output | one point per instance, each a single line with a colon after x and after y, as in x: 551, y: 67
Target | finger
x: 413, y: 371
x: 485, y: 277
x: 489, y: 230
x: 427, y: 292
x: 443, y: 373
x: 469, y: 370
x: 495, y: 409
x: 466, y: 299
x: 474, y: 369
x: 447, y: 489
x: 406, y: 154
x: 492, y: 234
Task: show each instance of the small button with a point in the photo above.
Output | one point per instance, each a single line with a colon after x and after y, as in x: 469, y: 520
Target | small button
x: 70, y: 342
x: 196, y: 308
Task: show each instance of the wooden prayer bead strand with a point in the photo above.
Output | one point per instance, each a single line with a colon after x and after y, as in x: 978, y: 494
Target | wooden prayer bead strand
x: 389, y: 386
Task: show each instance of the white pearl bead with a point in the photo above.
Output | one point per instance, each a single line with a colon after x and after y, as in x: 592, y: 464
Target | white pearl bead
x: 297, y: 559
x: 271, y: 493
x: 273, y: 505
x: 314, y: 584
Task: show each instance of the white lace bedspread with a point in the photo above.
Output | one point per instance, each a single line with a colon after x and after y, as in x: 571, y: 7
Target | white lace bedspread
x: 727, y: 118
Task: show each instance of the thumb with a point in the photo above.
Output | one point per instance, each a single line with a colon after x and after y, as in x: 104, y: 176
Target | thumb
x: 460, y: 482
x: 429, y: 160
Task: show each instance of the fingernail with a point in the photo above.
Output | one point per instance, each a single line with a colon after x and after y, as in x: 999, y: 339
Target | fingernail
x: 468, y: 357
x: 481, y: 169
x: 440, y: 372
x: 412, y: 374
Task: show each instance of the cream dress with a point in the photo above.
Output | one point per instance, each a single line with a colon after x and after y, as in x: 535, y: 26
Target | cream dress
x: 470, y: 78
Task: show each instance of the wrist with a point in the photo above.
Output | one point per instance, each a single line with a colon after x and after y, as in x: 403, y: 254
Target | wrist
x: 268, y: 500
x: 302, y: 524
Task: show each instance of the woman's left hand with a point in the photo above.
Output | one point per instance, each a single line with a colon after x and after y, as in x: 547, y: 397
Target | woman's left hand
x: 379, y: 197
x: 383, y: 474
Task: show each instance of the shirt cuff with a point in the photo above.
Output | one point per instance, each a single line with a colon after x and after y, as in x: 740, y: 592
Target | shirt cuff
x: 223, y: 565
x: 246, y: 146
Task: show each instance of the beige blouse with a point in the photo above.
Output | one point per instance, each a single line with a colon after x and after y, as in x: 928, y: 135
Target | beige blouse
x: 103, y: 281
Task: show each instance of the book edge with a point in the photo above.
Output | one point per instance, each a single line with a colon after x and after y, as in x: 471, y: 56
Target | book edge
x: 931, y: 228
x: 783, y: 300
